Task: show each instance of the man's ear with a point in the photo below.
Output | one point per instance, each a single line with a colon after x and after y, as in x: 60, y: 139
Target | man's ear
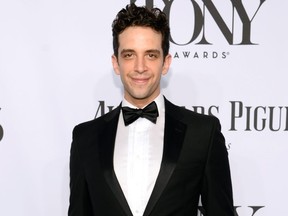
x: 115, y: 64
x: 166, y: 64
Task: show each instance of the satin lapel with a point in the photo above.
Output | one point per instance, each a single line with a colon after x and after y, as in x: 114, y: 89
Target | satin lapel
x: 106, y: 149
x: 173, y: 141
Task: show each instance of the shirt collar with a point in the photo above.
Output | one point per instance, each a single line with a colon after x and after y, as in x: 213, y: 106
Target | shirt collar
x: 159, y: 100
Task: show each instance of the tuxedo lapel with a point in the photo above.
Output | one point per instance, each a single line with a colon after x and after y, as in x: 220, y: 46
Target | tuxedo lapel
x: 173, y: 141
x: 106, y: 149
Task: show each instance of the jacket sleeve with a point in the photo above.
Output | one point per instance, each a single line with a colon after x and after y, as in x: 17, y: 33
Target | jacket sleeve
x: 216, y: 194
x: 80, y: 203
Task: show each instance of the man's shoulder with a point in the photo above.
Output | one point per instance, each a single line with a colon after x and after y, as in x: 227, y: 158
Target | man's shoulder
x: 187, y: 115
x: 97, y: 123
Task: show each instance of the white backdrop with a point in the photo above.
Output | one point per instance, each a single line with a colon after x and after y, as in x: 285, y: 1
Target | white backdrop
x: 55, y: 72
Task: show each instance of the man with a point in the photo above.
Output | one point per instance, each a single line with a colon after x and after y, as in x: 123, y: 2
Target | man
x: 157, y: 159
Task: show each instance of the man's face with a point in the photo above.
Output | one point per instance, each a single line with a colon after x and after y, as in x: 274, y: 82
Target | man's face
x: 140, y: 64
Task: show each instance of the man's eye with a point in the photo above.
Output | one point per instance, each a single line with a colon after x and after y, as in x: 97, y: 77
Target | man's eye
x: 128, y: 55
x: 152, y: 55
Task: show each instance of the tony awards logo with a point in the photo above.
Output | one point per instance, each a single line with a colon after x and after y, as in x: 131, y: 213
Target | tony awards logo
x: 204, y: 10
x: 235, y: 26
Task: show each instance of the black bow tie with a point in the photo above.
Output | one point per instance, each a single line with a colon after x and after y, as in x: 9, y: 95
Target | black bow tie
x: 149, y: 112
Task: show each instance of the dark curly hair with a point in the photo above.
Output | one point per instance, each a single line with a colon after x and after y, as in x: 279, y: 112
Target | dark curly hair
x: 141, y: 16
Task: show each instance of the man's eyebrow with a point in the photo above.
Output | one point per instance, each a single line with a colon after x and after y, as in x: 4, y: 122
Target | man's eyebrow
x: 147, y: 51
x: 127, y: 50
x: 153, y: 51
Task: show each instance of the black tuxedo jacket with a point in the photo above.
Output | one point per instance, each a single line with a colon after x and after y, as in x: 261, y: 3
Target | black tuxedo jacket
x: 195, y: 162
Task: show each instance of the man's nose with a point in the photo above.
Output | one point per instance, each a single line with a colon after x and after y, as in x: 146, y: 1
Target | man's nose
x: 140, y: 65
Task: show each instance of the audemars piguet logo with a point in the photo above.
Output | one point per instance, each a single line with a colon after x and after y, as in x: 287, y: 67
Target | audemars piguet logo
x: 244, y: 117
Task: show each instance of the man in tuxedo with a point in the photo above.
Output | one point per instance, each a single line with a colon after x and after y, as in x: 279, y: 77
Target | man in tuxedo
x: 147, y: 156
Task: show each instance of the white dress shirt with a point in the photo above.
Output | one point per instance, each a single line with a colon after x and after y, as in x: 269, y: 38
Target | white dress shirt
x: 138, y: 155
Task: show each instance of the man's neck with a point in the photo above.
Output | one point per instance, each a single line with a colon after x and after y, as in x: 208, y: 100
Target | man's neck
x: 141, y: 103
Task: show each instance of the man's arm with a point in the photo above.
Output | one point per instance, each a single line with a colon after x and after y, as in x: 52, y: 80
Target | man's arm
x: 80, y: 203
x: 217, y: 196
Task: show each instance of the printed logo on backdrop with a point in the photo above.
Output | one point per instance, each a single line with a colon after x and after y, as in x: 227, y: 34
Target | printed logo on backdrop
x: 1, y: 130
x: 243, y: 117
x: 235, y: 30
x: 258, y: 118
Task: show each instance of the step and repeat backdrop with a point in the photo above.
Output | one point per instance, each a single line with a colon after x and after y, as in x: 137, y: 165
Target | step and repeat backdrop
x: 230, y: 59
